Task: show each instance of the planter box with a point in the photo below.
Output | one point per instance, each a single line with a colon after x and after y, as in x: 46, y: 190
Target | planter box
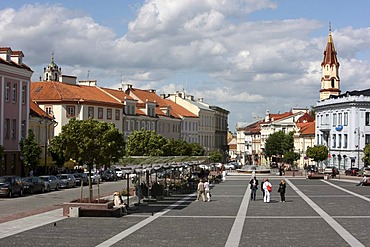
x: 106, y: 206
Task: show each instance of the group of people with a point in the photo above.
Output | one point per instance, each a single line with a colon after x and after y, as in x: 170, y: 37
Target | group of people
x: 203, y: 191
x: 266, y: 188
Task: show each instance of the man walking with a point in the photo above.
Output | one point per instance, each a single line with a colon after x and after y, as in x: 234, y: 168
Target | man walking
x: 254, y: 186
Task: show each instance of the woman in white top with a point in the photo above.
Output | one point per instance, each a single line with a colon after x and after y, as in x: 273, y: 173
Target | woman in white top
x: 206, y: 189
x: 266, y: 184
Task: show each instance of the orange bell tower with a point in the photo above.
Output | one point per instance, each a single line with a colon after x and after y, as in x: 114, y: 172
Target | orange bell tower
x: 330, y: 82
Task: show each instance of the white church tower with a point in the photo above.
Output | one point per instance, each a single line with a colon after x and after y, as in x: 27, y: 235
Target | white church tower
x: 52, y: 72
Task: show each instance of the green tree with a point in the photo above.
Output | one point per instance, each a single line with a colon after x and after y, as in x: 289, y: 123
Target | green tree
x: 318, y: 153
x: 291, y: 156
x: 367, y: 154
x: 89, y: 142
x: 196, y: 149
x: 30, y: 151
x: 279, y: 143
x: 215, y: 156
x: 147, y: 143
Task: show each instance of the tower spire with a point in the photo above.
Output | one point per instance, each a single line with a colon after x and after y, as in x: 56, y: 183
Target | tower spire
x: 330, y: 70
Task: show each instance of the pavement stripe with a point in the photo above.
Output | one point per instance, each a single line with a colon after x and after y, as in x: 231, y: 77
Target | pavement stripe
x: 349, y: 192
x: 143, y: 223
x: 351, y: 240
x: 20, y: 225
x: 237, y: 228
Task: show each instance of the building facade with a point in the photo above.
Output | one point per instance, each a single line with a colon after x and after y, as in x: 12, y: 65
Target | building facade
x: 15, y: 77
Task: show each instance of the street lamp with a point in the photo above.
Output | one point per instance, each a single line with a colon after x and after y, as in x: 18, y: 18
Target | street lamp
x: 358, y: 132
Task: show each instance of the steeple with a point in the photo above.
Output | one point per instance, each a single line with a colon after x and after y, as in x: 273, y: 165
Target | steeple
x: 330, y: 70
x: 52, y: 72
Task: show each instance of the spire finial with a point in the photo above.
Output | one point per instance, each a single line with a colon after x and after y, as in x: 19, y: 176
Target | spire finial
x: 52, y: 56
x: 329, y: 26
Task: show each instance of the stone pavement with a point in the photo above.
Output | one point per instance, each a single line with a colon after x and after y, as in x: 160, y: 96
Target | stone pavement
x: 316, y: 213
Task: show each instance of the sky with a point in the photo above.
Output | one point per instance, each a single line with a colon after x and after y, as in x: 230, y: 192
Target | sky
x: 246, y: 56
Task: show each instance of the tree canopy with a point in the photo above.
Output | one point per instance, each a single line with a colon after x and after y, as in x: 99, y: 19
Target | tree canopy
x: 279, y: 143
x: 318, y: 153
x: 149, y: 143
x: 88, y: 142
x: 30, y: 151
x: 367, y: 154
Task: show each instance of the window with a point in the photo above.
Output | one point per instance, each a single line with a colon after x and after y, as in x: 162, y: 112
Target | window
x: 100, y: 113
x: 71, y: 111
x: 339, y: 140
x: 334, y: 119
x: 7, y: 128
x: 49, y: 110
x: 334, y: 141
x: 345, y: 120
x: 340, y: 118
x: 367, y: 118
x: 24, y: 94
x: 117, y: 114
x: 14, y: 93
x: 345, y: 140
x: 109, y: 113
x: 7, y: 91
x: 137, y: 125
x: 23, y: 130
x: 367, y: 139
x: 90, y: 112
x: 14, y: 129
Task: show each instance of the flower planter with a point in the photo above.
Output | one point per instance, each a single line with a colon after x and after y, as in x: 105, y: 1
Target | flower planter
x: 95, y: 207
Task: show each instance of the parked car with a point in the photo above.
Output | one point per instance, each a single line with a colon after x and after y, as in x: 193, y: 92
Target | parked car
x: 329, y: 170
x: 33, y: 185
x: 352, y: 171
x: 51, y: 182
x: 81, y: 178
x: 230, y: 166
x: 95, y: 177
x: 66, y: 180
x: 109, y: 175
x: 364, y: 171
x: 313, y: 168
x: 10, y: 185
x: 119, y: 172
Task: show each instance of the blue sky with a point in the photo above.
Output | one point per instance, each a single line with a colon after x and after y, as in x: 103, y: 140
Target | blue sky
x: 247, y: 56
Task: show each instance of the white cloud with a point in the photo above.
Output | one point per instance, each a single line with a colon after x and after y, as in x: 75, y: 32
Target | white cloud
x: 242, y: 65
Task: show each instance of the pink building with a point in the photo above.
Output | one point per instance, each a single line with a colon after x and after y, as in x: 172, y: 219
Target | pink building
x: 15, y: 79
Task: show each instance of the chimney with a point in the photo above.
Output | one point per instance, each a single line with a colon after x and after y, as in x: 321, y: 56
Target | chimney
x: 152, y: 90
x: 200, y: 99
x: 126, y: 87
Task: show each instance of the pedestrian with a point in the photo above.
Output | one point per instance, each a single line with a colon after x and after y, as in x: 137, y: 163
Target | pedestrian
x: 263, y: 191
x: 267, y: 188
x: 281, y: 190
x: 200, y: 190
x: 223, y: 172
x: 254, y: 187
x: 207, y: 190
x: 363, y: 181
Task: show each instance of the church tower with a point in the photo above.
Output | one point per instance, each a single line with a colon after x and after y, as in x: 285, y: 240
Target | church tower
x: 330, y: 71
x: 52, y: 72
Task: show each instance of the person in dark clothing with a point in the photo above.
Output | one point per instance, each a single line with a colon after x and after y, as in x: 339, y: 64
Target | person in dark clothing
x: 254, y: 187
x: 281, y: 190
x: 263, y: 191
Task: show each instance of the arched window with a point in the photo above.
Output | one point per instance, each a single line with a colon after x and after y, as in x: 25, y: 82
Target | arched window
x: 332, y: 83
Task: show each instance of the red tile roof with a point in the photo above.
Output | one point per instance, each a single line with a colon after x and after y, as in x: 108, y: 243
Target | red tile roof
x: 306, y: 118
x: 37, y: 111
x: 53, y: 91
x: 306, y: 128
x: 330, y: 55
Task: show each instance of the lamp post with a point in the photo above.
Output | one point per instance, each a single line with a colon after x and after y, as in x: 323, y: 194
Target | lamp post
x: 358, y: 132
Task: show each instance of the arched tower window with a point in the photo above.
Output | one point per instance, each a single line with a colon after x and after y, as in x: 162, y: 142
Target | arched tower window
x: 332, y: 83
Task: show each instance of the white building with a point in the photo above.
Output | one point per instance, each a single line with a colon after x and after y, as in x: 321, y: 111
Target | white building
x: 342, y: 120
